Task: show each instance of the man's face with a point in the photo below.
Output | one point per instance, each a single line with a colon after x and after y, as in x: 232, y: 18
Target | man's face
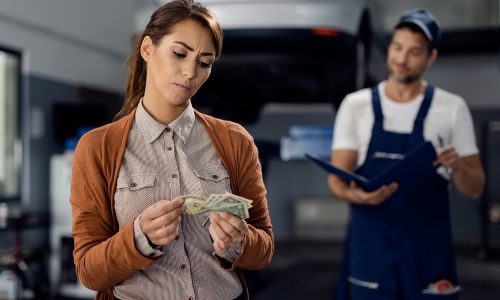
x: 408, y: 56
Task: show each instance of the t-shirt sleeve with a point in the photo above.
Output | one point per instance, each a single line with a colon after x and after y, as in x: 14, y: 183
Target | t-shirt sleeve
x: 344, y: 129
x: 463, y: 137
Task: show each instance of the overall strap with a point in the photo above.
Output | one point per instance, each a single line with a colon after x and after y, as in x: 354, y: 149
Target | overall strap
x: 424, y: 107
x: 377, y: 109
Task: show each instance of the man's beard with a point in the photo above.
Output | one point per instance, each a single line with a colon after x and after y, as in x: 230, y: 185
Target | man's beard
x: 408, y: 79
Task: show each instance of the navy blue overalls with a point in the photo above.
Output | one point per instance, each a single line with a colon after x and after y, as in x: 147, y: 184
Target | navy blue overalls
x: 394, y: 250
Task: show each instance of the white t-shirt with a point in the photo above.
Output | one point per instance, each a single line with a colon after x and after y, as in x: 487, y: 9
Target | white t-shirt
x: 448, y: 121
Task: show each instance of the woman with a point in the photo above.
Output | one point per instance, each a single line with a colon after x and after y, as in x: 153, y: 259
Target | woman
x: 132, y: 240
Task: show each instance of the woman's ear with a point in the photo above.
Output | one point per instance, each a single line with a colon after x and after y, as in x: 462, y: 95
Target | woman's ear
x: 146, y: 48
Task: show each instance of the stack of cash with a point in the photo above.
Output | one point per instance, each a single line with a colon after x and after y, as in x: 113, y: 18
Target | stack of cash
x: 227, y: 202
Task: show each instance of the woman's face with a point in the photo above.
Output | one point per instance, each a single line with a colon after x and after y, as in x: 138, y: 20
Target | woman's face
x: 178, y: 65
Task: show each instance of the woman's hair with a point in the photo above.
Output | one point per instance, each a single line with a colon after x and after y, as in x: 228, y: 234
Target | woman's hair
x: 161, y: 23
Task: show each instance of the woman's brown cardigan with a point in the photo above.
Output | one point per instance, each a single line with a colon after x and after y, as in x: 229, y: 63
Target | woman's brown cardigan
x: 104, y: 255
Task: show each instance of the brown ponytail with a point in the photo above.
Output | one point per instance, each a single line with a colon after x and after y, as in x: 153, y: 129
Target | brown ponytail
x: 161, y: 23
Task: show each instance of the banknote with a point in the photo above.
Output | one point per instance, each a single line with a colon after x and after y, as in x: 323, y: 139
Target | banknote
x: 227, y: 202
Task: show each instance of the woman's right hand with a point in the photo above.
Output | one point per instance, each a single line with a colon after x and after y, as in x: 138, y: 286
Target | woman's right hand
x: 160, y: 222
x: 359, y: 196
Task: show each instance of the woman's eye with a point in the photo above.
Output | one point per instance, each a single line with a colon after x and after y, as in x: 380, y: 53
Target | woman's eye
x: 179, y: 55
x: 205, y: 65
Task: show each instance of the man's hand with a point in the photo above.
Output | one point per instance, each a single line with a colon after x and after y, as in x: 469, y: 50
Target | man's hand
x: 226, y: 231
x: 351, y: 192
x: 359, y: 196
x: 160, y: 222
x: 448, y: 158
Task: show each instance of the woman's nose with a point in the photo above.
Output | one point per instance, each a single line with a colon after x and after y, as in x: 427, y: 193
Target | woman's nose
x: 189, y: 69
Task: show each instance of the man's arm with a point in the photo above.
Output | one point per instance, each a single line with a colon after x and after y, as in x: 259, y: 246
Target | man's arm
x: 350, y: 192
x: 469, y: 178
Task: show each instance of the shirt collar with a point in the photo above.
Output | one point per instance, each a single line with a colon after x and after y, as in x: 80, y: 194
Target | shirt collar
x: 152, y: 129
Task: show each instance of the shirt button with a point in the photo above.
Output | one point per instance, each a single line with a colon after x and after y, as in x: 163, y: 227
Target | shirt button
x: 133, y: 184
x: 168, y: 129
x: 169, y: 148
x: 215, y: 176
x: 177, y: 237
x: 174, y: 176
x: 183, y: 267
x: 190, y: 298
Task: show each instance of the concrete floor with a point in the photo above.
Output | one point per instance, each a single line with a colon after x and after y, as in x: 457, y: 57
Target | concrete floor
x: 308, y: 270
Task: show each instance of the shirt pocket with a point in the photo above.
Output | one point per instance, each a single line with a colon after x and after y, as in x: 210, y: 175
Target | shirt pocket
x: 214, y: 179
x: 134, y: 193
x: 135, y: 182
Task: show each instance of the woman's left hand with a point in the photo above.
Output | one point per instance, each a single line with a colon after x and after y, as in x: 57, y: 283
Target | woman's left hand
x: 226, y: 231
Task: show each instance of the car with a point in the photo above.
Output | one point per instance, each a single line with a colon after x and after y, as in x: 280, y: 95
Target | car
x: 288, y: 51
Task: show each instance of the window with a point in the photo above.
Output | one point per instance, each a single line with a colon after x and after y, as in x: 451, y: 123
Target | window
x: 10, y: 138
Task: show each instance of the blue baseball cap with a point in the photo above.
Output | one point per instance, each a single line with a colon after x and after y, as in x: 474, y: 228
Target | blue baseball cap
x: 423, y: 20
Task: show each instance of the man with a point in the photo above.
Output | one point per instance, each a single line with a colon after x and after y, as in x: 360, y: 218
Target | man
x: 399, y: 242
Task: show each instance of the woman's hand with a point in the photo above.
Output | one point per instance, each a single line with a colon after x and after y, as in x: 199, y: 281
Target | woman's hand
x: 160, y: 222
x: 226, y: 231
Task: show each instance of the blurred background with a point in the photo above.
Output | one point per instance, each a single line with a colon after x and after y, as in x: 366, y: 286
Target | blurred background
x: 285, y: 67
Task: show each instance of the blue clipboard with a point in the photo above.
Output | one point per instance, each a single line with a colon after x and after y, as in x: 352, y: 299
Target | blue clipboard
x: 408, y: 171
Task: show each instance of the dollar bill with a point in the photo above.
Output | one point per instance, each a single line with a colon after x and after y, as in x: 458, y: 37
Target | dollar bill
x: 227, y: 202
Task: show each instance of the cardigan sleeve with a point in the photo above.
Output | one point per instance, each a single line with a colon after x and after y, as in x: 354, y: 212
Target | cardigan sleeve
x: 258, y: 245
x: 102, y: 256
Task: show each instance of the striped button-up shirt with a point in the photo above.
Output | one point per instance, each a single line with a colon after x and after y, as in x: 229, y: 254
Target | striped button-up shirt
x: 163, y: 162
